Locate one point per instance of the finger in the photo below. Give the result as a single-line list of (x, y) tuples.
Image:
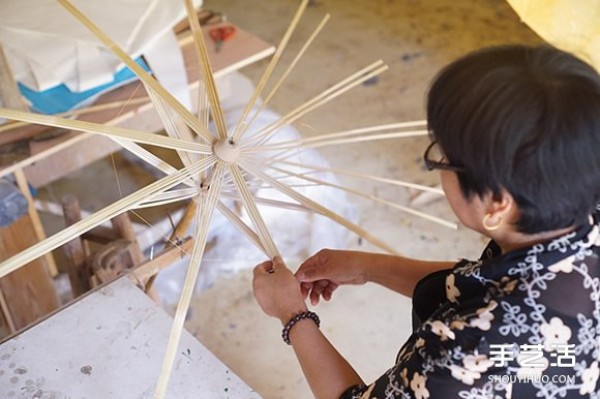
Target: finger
[(305, 289), (278, 263), (328, 291), (312, 269), (317, 291)]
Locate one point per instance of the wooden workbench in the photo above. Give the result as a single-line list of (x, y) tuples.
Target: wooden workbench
[(110, 344)]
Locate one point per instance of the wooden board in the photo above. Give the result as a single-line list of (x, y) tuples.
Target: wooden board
[(109, 345), (29, 291)]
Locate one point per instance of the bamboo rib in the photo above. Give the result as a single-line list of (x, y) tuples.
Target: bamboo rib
[(168, 197), (174, 126), (257, 220), (239, 127), (151, 159), (373, 198), (318, 208), (186, 115), (99, 217), (243, 227), (355, 132), (207, 202), (367, 177), (108, 131), (270, 202), (83, 111), (290, 145), (350, 82), (287, 72), (204, 61)]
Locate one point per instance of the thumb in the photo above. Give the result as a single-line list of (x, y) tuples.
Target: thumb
[(278, 263), (311, 270)]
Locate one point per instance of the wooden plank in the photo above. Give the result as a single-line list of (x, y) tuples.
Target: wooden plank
[(29, 291)]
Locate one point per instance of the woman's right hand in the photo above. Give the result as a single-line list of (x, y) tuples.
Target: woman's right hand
[(322, 273)]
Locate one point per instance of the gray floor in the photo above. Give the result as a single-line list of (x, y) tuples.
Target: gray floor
[(415, 38)]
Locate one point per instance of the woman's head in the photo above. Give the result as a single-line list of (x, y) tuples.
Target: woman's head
[(526, 121)]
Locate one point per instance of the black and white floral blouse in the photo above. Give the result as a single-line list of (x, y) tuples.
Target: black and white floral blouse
[(525, 324)]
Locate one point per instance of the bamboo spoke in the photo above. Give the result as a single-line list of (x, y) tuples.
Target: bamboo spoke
[(373, 198), (207, 76), (99, 217), (240, 126), (83, 111), (187, 116), (270, 202), (243, 227), (108, 131), (323, 142), (207, 201), (317, 207), (286, 73), (257, 220), (169, 197), (174, 126), (334, 91), (365, 176)]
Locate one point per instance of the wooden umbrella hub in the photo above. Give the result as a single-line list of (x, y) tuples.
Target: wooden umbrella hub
[(227, 150)]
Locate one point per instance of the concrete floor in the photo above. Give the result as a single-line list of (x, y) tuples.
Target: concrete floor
[(368, 324)]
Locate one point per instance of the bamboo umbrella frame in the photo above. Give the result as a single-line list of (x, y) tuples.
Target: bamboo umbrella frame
[(228, 163)]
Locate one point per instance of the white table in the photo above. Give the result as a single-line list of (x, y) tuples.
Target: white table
[(110, 344)]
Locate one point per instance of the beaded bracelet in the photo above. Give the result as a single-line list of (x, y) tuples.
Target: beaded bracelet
[(285, 334)]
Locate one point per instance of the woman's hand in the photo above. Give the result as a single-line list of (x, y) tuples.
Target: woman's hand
[(277, 290), (323, 272)]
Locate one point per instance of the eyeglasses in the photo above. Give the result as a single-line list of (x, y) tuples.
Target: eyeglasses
[(435, 159)]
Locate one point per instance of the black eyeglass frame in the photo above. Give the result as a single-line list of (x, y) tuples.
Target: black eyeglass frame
[(432, 165)]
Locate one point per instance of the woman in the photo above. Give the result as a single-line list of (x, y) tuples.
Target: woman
[(516, 137)]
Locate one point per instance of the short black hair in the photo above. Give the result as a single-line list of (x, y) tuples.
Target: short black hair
[(524, 119)]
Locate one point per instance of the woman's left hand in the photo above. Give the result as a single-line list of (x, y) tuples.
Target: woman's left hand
[(277, 290)]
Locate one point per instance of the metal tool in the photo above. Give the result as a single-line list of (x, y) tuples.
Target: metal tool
[(221, 34)]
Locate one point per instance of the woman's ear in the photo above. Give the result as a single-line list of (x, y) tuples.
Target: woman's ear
[(500, 209)]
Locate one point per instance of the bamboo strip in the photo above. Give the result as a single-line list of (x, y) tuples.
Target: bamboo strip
[(315, 143), (187, 116), (83, 111), (320, 99), (108, 131), (151, 159), (287, 72), (38, 227), (174, 126), (243, 227), (367, 177), (239, 127), (300, 113), (270, 202), (207, 202), (6, 313), (169, 197), (101, 216), (257, 220), (204, 62), (318, 208), (374, 198)]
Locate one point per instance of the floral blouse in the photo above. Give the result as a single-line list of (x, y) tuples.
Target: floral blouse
[(525, 324)]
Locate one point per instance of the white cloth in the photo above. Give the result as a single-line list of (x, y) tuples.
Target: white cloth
[(45, 45)]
